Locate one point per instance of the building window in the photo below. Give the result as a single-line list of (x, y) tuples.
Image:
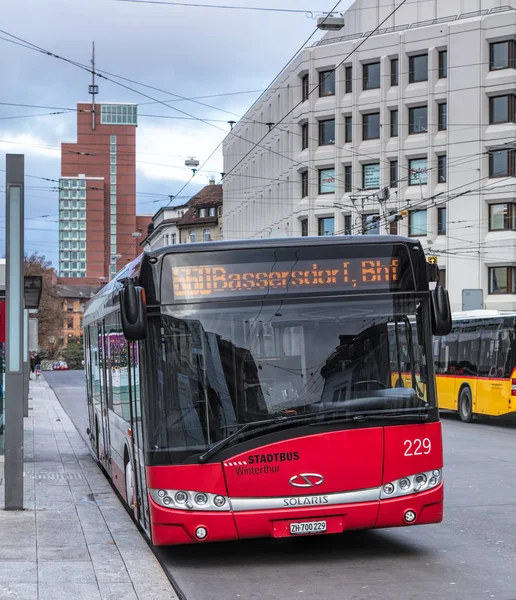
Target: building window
[(212, 211), (118, 114), (326, 226), (502, 217), (371, 224), (441, 168), (441, 221), (349, 79), (112, 170), (348, 130), (501, 163), (69, 323), (393, 174), (304, 87), (348, 178), (69, 306), (172, 238), (502, 280), (167, 239), (502, 55), (192, 236), (395, 63), (206, 235), (304, 136), (394, 123), (417, 223), (371, 126), (371, 176), (371, 76), (327, 83), (502, 109), (393, 227), (418, 171), (304, 184), (418, 68), (443, 64), (348, 227), (112, 139), (326, 181), (202, 212), (327, 132), (418, 119), (304, 227), (442, 124)]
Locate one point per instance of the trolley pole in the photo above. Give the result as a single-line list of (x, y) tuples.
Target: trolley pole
[(14, 371)]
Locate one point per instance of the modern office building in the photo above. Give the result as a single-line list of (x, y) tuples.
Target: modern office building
[(98, 227), (410, 130)]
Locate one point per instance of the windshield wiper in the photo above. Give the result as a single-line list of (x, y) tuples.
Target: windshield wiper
[(359, 417), (223, 443)]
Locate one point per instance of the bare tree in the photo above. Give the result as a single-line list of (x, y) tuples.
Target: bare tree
[(50, 313)]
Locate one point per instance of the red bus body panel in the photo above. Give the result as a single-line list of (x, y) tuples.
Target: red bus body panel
[(348, 461)]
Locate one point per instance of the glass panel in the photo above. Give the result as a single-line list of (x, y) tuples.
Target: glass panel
[(327, 226), (326, 181), (327, 132), (327, 83), (394, 123), (443, 116), (418, 171), (500, 109), (418, 66), (499, 216), (394, 71), (417, 223), (371, 126), (498, 163), (418, 119), (500, 55), (371, 176), (372, 76), (210, 370), (371, 224), (499, 280)]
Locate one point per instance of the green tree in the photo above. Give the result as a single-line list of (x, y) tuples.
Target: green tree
[(50, 312), (73, 354)]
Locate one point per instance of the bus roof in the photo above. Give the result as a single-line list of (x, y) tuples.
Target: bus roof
[(288, 242)]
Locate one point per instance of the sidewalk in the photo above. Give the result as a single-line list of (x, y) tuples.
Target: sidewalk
[(74, 540)]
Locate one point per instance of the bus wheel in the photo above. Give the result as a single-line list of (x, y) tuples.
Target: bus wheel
[(465, 405), (129, 483)]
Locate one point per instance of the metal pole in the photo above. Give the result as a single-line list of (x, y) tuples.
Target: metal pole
[(13, 466), (26, 368)]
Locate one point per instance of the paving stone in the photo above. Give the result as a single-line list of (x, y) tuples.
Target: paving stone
[(116, 591), (69, 591), (18, 591), (73, 551), (17, 571), (66, 571)]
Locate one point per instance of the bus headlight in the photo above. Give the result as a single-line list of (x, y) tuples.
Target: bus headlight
[(412, 484), (189, 500)]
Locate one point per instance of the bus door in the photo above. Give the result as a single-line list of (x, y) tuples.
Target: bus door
[(105, 390), (140, 480), (495, 368), (446, 366), (88, 373), (467, 360)]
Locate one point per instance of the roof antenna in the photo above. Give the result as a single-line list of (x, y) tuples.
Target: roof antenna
[(93, 89)]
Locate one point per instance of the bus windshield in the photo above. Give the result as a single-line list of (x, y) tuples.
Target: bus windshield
[(218, 367)]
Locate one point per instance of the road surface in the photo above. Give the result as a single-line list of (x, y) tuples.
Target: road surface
[(470, 556)]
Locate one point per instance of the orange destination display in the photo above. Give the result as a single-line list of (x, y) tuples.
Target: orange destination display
[(234, 280)]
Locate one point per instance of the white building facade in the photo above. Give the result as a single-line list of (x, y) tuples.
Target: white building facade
[(164, 231), (411, 131)]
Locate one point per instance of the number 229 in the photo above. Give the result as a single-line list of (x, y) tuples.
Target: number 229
[(417, 447)]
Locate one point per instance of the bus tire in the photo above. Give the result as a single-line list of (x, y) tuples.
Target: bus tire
[(465, 405), (129, 493)]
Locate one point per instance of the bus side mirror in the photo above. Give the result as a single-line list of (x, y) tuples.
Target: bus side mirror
[(441, 311), (133, 312)]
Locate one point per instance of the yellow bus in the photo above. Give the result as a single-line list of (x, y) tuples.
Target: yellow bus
[(476, 365)]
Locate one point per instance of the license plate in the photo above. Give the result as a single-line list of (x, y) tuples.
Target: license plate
[(308, 527)]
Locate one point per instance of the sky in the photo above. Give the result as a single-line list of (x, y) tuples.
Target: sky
[(185, 51)]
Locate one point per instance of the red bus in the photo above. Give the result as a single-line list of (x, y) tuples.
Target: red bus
[(270, 388)]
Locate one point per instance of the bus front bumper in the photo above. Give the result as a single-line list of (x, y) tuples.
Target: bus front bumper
[(174, 527)]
